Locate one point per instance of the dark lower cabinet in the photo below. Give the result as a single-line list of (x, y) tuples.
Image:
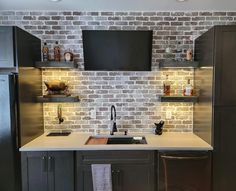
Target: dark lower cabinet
[(131, 170), (184, 171), (34, 171), (48, 171), (224, 154), (138, 177)]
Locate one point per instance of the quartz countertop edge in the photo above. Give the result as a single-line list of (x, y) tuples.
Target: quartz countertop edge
[(76, 141)]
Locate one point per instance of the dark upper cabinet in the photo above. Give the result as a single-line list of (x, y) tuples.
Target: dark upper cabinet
[(131, 170), (216, 49), (225, 67), (48, 171), (184, 171), (7, 59), (18, 48)]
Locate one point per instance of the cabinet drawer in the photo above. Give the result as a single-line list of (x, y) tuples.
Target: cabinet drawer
[(112, 157)]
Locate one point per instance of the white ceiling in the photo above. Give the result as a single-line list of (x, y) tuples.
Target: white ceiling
[(119, 5)]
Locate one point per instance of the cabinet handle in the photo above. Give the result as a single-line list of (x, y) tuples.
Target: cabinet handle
[(184, 158), (44, 164), (119, 180), (50, 164)]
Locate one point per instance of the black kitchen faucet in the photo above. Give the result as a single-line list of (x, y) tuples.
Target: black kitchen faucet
[(113, 119)]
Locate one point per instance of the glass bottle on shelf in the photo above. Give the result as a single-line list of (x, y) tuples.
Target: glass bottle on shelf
[(178, 51), (188, 90), (57, 52), (45, 52), (168, 48), (166, 86)]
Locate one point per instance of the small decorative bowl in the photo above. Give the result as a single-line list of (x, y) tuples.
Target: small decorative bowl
[(56, 87)]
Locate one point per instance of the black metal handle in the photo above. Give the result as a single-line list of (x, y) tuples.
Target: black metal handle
[(184, 158), (116, 176), (113, 178), (118, 172), (50, 164), (44, 163)]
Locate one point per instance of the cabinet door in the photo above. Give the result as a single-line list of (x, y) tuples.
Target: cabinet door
[(224, 154), (225, 91), (138, 177), (124, 177), (131, 170), (61, 171), (6, 47), (84, 178), (34, 171), (184, 171)]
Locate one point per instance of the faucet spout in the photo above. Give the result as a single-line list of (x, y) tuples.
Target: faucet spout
[(59, 114), (113, 119)]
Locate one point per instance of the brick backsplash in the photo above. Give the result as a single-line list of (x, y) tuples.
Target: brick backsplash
[(135, 94)]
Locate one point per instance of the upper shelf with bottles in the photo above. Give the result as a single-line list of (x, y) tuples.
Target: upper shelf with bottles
[(170, 63), (188, 94), (183, 55), (56, 62)]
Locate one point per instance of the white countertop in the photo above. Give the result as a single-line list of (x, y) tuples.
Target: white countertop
[(76, 141)]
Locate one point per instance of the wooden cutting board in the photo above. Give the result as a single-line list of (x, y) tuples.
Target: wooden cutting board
[(97, 141)]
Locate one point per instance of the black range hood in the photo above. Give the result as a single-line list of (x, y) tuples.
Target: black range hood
[(109, 50)]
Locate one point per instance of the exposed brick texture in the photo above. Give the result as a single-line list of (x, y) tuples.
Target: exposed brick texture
[(135, 94)]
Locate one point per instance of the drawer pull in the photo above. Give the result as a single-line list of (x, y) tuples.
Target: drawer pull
[(184, 158)]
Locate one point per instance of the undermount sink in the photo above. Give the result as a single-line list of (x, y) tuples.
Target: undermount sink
[(96, 140), (128, 140)]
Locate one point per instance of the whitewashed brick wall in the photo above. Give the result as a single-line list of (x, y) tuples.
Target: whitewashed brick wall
[(135, 94)]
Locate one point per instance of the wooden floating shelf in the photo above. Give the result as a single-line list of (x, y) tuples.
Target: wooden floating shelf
[(54, 64), (68, 99), (193, 99), (170, 63)]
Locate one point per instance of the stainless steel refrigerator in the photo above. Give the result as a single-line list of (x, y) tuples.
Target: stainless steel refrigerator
[(21, 117), (215, 113)]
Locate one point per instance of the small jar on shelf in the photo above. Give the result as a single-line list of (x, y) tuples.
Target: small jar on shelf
[(189, 55), (68, 56)]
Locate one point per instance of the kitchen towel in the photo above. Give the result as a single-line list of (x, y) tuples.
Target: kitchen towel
[(101, 174)]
